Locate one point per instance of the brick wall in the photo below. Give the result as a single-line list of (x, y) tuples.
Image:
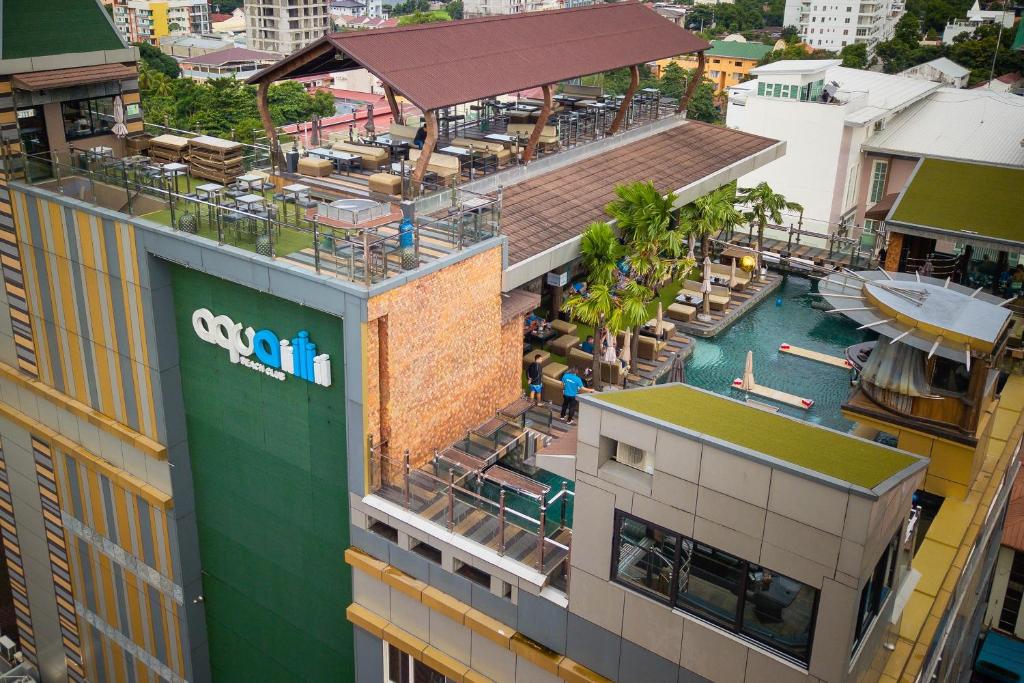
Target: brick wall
[(439, 361)]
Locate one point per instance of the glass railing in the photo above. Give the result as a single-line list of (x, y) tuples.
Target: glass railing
[(264, 219)]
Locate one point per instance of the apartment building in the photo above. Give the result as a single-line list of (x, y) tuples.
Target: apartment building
[(283, 26), (728, 62), (834, 26), (146, 21), (486, 8)]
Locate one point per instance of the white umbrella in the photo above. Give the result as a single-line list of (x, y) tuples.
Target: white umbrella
[(626, 339), (609, 351), (748, 373), (732, 274), (690, 254), (658, 320), (119, 129), (705, 286)]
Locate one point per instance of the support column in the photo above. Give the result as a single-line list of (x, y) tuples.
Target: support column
[(538, 128), (620, 116), (698, 75), (396, 111), (429, 118), (268, 123)]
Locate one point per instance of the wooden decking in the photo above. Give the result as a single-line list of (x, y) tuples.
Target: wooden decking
[(740, 303), (650, 371)]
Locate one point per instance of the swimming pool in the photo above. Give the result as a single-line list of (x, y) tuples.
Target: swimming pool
[(786, 316)]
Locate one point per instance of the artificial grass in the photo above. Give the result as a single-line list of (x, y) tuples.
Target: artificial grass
[(35, 29), (287, 242), (952, 195), (800, 443)]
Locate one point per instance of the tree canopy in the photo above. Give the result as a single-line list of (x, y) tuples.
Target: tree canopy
[(423, 18), (671, 84), (154, 59)]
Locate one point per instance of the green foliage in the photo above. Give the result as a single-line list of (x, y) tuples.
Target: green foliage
[(423, 18), (791, 35), (855, 56), (154, 59), (225, 6), (223, 107), (702, 104), (409, 7), (741, 16), (795, 51), (935, 14), (673, 80), (710, 214), (454, 8), (972, 51), (763, 204)]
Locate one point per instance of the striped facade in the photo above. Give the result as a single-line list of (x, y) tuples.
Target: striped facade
[(15, 566), (57, 547), (84, 288)]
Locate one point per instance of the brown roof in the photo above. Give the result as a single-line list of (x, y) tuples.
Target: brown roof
[(446, 63), (880, 211), (79, 75), (1013, 527), (231, 54), (545, 211), (518, 302)]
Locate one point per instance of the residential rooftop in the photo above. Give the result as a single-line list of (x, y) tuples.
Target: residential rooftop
[(963, 197), (56, 27), (810, 447), (737, 49)]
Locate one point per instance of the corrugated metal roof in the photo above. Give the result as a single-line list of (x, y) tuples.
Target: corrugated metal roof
[(973, 125), (948, 67), (231, 54), (446, 63), (82, 75)]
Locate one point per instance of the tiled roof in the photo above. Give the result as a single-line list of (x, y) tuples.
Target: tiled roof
[(82, 75), (446, 63), (1013, 531), (55, 27), (545, 211), (231, 54)]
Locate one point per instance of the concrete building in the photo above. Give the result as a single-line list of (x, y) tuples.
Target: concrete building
[(284, 26), (829, 25), (233, 24), (182, 47), (941, 70), (977, 17), (1004, 608), (486, 8), (232, 62), (822, 169), (146, 21), (728, 62), (1007, 83)]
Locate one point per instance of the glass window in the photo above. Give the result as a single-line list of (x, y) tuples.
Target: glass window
[(879, 169), (779, 612), (84, 118), (710, 583), (877, 589), (645, 557)]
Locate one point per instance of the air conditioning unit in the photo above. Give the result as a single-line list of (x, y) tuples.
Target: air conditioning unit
[(634, 457)]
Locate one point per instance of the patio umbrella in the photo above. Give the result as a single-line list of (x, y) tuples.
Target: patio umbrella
[(691, 240), (119, 129), (732, 274), (314, 138), (658, 319), (748, 373), (705, 286), (626, 339)]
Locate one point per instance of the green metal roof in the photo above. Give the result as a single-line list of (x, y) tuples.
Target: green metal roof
[(52, 27), (956, 196), (734, 48), (1018, 39), (803, 444)]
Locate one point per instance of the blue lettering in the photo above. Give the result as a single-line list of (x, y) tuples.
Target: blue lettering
[(268, 348)]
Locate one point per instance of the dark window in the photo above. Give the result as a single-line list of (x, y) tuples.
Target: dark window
[(738, 63), (386, 530), (470, 572), (427, 551), (951, 376), (759, 604), (1014, 595), (84, 118), (877, 589)]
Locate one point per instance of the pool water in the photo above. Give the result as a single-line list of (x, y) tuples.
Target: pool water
[(785, 316)]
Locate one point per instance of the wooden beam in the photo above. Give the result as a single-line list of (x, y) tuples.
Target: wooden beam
[(538, 128), (396, 111), (430, 118), (620, 116), (698, 75), (268, 122)]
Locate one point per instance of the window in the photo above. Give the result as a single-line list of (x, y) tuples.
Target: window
[(402, 668), (1014, 592), (84, 118), (877, 589), (737, 63), (754, 602), (879, 169)]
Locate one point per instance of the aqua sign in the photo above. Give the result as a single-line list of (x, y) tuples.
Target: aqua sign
[(262, 350)]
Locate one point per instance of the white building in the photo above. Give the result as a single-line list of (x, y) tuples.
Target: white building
[(146, 21), (834, 24), (975, 18), (821, 168), (486, 8), (284, 26), (941, 70)]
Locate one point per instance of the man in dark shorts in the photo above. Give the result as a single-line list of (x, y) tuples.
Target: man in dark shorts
[(534, 372)]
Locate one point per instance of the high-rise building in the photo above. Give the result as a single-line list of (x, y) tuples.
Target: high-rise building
[(146, 21), (283, 26), (832, 27)]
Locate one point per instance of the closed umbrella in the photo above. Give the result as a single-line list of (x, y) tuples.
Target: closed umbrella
[(748, 373), (314, 138), (690, 255), (732, 274), (658, 319), (705, 286), (625, 357), (119, 129)]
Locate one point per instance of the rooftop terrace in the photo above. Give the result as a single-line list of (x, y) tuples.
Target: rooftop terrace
[(775, 436), (56, 27)]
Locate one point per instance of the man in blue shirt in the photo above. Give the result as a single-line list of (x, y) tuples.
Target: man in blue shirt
[(588, 345), (572, 385)]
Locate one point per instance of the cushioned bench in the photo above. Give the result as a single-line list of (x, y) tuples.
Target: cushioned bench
[(548, 134), (718, 299), (554, 369), (562, 345), (372, 157), (563, 327), (551, 390), (545, 358), (611, 373), (315, 168), (444, 166), (647, 348), (681, 312), (402, 133), (723, 270), (385, 183), (499, 150)]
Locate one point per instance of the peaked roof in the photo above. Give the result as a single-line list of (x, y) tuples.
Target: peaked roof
[(446, 63), (56, 27), (948, 67)]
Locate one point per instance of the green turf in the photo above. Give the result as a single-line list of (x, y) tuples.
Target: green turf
[(800, 443), (953, 195), (35, 29), (287, 242)]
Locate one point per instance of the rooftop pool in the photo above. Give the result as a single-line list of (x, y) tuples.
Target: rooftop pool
[(786, 316)]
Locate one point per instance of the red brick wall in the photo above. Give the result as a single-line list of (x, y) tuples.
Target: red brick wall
[(438, 359)]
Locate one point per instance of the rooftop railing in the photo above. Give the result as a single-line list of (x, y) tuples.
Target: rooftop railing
[(367, 249)]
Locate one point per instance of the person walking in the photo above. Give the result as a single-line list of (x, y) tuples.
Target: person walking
[(534, 374), (572, 385)]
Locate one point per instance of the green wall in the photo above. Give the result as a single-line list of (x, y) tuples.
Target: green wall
[(268, 466)]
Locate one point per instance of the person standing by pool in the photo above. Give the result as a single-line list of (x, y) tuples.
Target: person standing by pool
[(534, 373), (572, 385)]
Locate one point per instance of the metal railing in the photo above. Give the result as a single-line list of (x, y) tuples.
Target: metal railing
[(282, 230)]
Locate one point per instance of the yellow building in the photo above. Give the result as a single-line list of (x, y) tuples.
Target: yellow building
[(728, 62)]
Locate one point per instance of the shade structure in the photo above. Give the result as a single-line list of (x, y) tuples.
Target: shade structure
[(626, 356), (748, 373)]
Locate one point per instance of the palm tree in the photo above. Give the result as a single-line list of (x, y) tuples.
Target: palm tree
[(710, 214), (763, 203)]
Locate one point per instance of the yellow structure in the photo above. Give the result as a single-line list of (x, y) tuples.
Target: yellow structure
[(728, 62)]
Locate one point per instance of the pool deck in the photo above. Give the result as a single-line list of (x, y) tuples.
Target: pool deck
[(740, 304), (649, 371)]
